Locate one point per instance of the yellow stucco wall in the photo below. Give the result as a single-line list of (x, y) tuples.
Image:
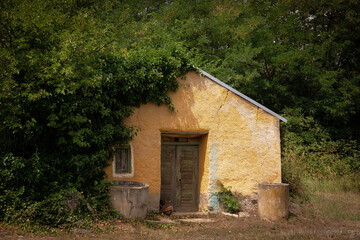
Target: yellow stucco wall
[(242, 147)]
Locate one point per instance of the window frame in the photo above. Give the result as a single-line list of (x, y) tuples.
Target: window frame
[(130, 161)]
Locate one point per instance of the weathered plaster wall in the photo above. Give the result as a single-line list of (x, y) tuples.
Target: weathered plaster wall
[(242, 147)]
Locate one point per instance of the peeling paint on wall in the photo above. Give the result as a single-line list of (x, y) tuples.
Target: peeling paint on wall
[(213, 178)]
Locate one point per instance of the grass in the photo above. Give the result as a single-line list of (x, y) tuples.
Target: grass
[(330, 210), (338, 205), (334, 184), (338, 198), (341, 224)]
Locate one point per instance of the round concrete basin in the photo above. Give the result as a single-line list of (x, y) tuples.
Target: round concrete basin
[(273, 201), (129, 198)]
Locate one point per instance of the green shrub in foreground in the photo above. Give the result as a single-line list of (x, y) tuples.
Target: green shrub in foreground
[(228, 199), (65, 209)]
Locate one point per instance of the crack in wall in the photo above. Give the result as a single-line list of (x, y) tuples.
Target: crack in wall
[(223, 102)]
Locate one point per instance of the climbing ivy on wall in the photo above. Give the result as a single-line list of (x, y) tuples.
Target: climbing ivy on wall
[(70, 73)]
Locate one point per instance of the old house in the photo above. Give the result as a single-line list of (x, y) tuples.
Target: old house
[(215, 133)]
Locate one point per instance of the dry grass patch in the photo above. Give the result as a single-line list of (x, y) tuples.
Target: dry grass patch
[(338, 198), (302, 227), (343, 205), (332, 212)]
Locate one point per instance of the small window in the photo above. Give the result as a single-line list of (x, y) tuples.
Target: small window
[(122, 160)]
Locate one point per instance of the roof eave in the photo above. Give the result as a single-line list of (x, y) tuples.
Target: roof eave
[(241, 95)]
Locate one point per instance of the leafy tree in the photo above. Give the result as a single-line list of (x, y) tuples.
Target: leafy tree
[(300, 58), (69, 76), (284, 54)]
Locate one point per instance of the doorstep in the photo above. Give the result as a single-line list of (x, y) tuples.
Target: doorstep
[(190, 214)]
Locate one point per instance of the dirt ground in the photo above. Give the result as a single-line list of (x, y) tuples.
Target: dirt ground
[(304, 226)]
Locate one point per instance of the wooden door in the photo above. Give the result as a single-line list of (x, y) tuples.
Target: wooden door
[(167, 194), (179, 177)]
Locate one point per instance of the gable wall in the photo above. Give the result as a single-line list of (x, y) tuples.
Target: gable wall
[(242, 147)]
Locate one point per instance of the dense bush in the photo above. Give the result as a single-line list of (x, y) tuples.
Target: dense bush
[(309, 151), (68, 79), (305, 138)]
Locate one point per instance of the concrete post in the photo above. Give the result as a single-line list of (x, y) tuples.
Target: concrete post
[(273, 201)]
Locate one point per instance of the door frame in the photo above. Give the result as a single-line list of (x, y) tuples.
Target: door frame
[(197, 180)]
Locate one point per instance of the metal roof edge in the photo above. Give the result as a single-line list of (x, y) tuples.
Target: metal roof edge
[(241, 95)]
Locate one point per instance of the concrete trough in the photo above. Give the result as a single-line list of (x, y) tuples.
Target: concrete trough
[(273, 201), (130, 198)]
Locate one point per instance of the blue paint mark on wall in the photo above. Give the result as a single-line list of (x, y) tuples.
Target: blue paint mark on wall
[(213, 175)]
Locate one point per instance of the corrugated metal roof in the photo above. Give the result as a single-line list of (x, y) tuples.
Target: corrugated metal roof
[(242, 95)]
